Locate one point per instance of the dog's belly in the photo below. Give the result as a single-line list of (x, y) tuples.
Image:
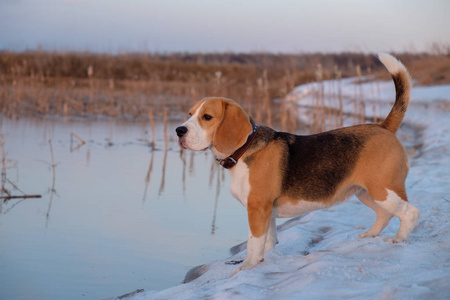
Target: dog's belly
[(294, 209)]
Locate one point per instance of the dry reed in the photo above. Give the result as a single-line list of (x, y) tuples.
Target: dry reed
[(3, 159), (80, 140), (152, 125), (160, 87), (166, 139)]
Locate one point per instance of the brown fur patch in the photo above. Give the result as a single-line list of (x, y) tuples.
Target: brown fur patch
[(382, 165)]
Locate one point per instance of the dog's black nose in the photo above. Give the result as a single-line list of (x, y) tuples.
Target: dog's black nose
[(181, 130)]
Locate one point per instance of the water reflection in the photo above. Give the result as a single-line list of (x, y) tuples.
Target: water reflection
[(149, 172), (183, 172), (52, 193), (115, 215), (73, 138), (215, 171), (163, 173)]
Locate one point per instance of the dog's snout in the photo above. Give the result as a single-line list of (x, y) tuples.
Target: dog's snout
[(181, 130)]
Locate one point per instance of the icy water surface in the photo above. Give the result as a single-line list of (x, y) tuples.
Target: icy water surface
[(119, 217)]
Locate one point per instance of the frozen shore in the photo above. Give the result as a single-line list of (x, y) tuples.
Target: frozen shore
[(320, 255)]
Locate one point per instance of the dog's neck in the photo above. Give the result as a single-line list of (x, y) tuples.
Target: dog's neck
[(230, 161)]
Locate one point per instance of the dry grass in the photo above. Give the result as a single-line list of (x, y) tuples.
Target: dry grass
[(433, 70), (425, 69), (144, 86)]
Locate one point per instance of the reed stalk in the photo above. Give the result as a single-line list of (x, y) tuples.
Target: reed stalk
[(2, 149), (152, 125), (53, 165), (166, 142)]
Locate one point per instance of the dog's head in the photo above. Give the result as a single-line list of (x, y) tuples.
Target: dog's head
[(218, 124)]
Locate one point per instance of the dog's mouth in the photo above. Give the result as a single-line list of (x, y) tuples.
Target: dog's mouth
[(183, 145)]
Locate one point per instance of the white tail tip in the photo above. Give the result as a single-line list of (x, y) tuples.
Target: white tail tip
[(393, 65)]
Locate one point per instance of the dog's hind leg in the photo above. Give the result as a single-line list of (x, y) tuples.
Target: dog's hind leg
[(400, 207), (383, 217), (271, 239)]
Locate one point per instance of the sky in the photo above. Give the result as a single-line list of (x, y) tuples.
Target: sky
[(283, 26)]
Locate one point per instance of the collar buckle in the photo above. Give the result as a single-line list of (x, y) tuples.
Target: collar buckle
[(228, 162)]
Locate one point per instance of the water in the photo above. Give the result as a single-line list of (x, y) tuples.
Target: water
[(119, 217), (106, 228)]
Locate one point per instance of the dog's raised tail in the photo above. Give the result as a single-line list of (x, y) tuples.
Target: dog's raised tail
[(402, 83)]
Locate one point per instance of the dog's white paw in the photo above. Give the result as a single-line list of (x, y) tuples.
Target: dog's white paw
[(396, 240), (248, 265), (367, 234)]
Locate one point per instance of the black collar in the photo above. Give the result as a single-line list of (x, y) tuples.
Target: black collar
[(232, 160)]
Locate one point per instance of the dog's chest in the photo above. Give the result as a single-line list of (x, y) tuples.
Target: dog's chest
[(240, 185)]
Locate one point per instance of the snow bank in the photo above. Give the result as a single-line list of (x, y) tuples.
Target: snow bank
[(320, 256)]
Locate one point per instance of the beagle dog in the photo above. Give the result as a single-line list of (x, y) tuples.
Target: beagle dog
[(279, 175)]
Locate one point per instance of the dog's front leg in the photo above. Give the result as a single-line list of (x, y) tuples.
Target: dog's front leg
[(259, 221)]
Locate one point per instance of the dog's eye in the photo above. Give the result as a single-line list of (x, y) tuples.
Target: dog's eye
[(206, 117)]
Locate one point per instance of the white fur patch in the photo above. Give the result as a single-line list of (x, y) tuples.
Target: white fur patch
[(255, 252), (393, 65), (255, 248), (240, 185)]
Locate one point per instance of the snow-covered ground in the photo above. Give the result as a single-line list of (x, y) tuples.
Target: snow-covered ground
[(320, 255)]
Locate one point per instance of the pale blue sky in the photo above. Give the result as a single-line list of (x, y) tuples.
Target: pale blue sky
[(231, 25)]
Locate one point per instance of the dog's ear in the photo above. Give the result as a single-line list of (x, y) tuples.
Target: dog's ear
[(233, 130)]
